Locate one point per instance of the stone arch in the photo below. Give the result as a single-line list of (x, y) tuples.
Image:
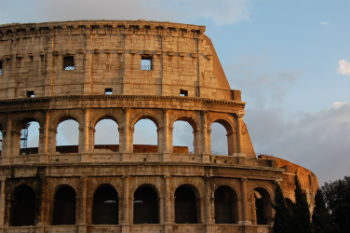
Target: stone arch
[(226, 205), (227, 137), (29, 136), (64, 207), (71, 145), (107, 127), (263, 206), (146, 147), (187, 204), (23, 206), (105, 207), (186, 130), (1, 139), (146, 204)]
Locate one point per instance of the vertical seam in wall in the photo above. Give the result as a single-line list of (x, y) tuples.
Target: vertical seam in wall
[(161, 64), (52, 66), (198, 73)]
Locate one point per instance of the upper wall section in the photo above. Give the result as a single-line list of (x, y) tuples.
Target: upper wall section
[(110, 57)]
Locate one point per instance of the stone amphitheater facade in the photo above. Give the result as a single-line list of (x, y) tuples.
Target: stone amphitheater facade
[(127, 71)]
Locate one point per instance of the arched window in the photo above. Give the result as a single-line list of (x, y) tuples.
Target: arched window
[(29, 141), (146, 206), (107, 135), (23, 206), (182, 137), (263, 208), (105, 205), (145, 136), (226, 210), (64, 206), (186, 205), (219, 139), (67, 137)]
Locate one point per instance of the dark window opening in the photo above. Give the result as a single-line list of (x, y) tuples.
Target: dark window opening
[(23, 206), (0, 67), (30, 94), (263, 208), (186, 205), (183, 92), (146, 63), (108, 91), (105, 205), (64, 207), (146, 207), (225, 205), (68, 63)]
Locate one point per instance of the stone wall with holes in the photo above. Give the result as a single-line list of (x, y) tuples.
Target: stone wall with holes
[(108, 55)]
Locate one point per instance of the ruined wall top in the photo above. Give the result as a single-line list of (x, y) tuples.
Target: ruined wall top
[(110, 57)]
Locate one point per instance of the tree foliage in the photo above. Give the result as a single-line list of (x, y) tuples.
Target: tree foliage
[(321, 218), (282, 219), (301, 212), (337, 198)]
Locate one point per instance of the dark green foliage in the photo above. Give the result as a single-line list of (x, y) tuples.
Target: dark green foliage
[(301, 210), (321, 219), (282, 219), (337, 197)]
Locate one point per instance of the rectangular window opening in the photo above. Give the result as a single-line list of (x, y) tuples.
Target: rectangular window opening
[(30, 94), (146, 63), (68, 63), (0, 67), (183, 92), (108, 91)]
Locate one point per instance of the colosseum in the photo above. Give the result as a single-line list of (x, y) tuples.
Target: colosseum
[(126, 71)]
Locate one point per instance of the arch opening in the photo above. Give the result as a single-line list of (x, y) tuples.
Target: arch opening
[(225, 201), (64, 206), (263, 207), (145, 138), (219, 139), (106, 135), (23, 206), (67, 137), (146, 205), (183, 137), (187, 205), (105, 205), (29, 140)]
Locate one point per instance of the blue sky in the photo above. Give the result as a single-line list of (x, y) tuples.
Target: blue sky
[(284, 55)]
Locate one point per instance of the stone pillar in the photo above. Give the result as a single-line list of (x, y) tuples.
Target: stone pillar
[(167, 133), (205, 133), (83, 205), (126, 206), (44, 136), (126, 133), (209, 207), (239, 119), (84, 145), (6, 141), (244, 203), (44, 203), (2, 202), (168, 206)]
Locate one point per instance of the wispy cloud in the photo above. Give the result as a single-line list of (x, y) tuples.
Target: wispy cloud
[(324, 22), (219, 12), (343, 67)]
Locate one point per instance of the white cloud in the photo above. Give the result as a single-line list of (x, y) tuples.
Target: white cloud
[(343, 67), (318, 141), (324, 22), (219, 12)]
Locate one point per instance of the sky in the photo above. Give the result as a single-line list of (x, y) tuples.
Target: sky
[(290, 58)]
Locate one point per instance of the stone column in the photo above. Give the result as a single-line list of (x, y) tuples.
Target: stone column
[(83, 205), (209, 207), (6, 141), (126, 133), (239, 119), (2, 202), (126, 206), (168, 220), (44, 138), (205, 133), (244, 203), (167, 133), (84, 145)]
